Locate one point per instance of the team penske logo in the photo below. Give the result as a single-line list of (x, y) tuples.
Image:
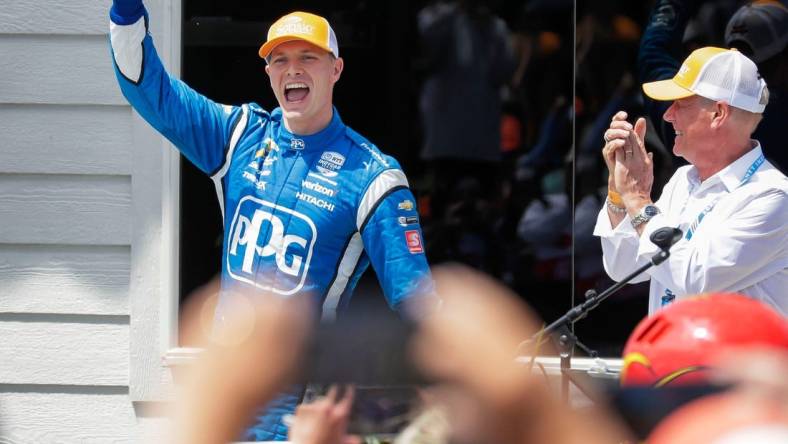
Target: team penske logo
[(330, 162), (261, 253)]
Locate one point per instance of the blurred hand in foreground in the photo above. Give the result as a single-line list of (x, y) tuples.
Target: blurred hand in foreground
[(325, 420), (470, 346), (247, 359)]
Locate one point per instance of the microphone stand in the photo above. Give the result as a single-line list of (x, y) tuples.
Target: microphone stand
[(566, 340)]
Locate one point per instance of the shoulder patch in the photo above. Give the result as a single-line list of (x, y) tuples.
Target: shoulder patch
[(373, 151), (257, 109)]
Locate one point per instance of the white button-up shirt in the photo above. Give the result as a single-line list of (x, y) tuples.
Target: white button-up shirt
[(740, 246)]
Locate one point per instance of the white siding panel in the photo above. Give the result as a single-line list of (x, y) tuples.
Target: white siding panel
[(57, 69), (68, 353), (53, 209), (68, 418), (54, 17), (64, 279), (65, 139), (153, 429)]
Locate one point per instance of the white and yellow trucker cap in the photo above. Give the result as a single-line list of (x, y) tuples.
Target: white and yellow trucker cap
[(716, 74), (301, 26)]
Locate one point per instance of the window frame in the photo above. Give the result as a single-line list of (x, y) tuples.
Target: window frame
[(154, 280)]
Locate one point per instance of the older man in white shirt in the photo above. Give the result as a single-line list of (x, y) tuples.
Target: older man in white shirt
[(731, 203)]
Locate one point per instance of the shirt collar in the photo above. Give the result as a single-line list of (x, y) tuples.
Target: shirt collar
[(288, 140), (731, 175)]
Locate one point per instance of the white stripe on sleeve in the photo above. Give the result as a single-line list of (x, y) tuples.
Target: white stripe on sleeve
[(346, 267), (217, 178), (127, 47), (377, 189)]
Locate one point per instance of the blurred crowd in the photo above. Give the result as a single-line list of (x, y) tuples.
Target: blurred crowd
[(690, 374), (496, 113)]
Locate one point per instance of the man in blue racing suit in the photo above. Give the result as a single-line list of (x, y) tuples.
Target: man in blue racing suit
[(307, 202)]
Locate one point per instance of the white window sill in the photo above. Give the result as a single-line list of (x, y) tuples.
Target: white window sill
[(181, 356)]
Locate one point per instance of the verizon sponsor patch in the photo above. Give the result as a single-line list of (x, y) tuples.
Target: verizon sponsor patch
[(316, 187)]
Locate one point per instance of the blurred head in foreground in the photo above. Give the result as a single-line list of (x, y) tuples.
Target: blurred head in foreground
[(728, 418), (683, 342)]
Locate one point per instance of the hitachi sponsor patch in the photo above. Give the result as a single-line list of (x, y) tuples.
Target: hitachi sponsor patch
[(320, 203)]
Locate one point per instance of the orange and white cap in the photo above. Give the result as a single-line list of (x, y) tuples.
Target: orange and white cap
[(301, 26), (716, 74)]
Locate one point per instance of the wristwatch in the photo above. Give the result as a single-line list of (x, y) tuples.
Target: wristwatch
[(645, 215)]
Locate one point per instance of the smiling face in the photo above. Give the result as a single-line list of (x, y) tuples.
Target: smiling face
[(691, 118), (302, 77)]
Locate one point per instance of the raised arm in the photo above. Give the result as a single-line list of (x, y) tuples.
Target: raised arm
[(200, 128)]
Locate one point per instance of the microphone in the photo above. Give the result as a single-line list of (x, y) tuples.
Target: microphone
[(665, 237)]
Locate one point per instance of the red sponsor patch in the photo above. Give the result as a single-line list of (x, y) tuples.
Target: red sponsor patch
[(413, 240)]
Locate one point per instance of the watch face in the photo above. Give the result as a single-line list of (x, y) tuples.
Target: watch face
[(650, 210)]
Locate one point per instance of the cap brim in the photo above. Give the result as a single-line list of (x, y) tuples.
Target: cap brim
[(269, 46), (666, 90)]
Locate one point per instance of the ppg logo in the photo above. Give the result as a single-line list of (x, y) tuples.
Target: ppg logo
[(297, 144), (260, 252)]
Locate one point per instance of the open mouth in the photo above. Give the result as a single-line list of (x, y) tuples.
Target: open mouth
[(296, 92)]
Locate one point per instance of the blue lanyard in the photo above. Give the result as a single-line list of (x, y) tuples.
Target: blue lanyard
[(747, 176)]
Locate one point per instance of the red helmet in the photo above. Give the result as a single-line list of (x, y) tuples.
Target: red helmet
[(732, 418), (678, 344)]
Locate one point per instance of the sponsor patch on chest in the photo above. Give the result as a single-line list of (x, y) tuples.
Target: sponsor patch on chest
[(318, 188), (316, 201), (270, 246), (330, 163)]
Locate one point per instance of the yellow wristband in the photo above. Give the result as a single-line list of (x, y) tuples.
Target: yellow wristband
[(615, 198)]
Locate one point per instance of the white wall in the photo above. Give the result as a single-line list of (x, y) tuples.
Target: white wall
[(84, 234)]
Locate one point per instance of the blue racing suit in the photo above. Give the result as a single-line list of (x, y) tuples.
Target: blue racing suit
[(302, 213)]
